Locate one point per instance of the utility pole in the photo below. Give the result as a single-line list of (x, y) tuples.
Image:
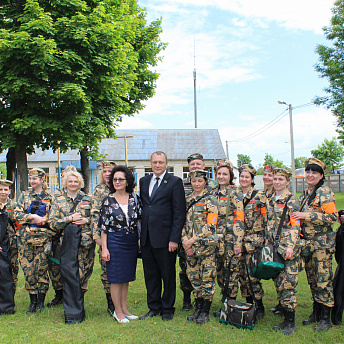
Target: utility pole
[(227, 150), (125, 147), (194, 77)]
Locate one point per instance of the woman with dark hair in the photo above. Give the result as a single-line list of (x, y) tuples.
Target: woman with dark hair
[(200, 240), (230, 224), (254, 202), (118, 221), (268, 179), (318, 214)]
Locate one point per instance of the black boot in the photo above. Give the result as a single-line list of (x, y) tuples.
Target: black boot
[(40, 303), (33, 304), (198, 310), (260, 312), (187, 305), (58, 299), (325, 321), (315, 316), (204, 316), (288, 325), (111, 306), (249, 299), (278, 310)]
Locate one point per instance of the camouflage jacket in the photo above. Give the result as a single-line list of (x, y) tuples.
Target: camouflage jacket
[(200, 224), (21, 212), (230, 206), (9, 209), (268, 193), (212, 184), (321, 215), (290, 234), (255, 220), (61, 209), (99, 193)]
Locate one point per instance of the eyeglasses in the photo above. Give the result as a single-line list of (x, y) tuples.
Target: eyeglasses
[(118, 180)]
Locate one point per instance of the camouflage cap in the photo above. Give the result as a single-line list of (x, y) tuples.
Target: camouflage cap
[(5, 182), (70, 168), (221, 163), (36, 172), (248, 168), (195, 156), (198, 174), (108, 164), (282, 172), (269, 168), (315, 161)]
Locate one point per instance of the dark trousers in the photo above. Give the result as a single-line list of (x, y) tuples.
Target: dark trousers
[(159, 266)]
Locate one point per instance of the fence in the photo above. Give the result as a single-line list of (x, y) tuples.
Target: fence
[(334, 181)]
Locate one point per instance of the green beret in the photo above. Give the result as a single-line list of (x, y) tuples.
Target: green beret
[(195, 156)]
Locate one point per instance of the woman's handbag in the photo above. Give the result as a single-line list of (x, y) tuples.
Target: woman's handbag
[(267, 263), (237, 313)]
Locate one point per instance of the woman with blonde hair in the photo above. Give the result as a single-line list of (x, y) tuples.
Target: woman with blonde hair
[(70, 218)]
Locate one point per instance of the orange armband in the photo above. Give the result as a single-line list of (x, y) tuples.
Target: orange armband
[(294, 222), (329, 208), (239, 215), (263, 211), (212, 218)]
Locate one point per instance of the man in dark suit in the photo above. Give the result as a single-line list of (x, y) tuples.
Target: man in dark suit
[(163, 218)]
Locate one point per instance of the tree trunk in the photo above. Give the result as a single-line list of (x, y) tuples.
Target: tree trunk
[(85, 171), (11, 167), (21, 158)]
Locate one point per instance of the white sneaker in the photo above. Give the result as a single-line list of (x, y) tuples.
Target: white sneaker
[(121, 321)]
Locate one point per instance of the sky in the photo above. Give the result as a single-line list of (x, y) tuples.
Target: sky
[(248, 55)]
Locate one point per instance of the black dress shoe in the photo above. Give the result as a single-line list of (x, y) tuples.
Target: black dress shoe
[(150, 314), (167, 316)]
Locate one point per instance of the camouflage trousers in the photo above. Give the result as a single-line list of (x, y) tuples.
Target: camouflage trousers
[(185, 284), (34, 263), (286, 283), (86, 262), (201, 272), (55, 275), (237, 273), (220, 267), (318, 267), (14, 262), (103, 275)]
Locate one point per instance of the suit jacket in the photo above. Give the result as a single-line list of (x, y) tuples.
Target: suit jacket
[(164, 214)]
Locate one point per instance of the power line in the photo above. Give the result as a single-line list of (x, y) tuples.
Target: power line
[(270, 124)]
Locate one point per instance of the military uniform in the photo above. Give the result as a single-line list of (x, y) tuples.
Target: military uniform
[(9, 208), (99, 193), (230, 208), (317, 231), (60, 211), (34, 243), (201, 267), (286, 281), (212, 184)]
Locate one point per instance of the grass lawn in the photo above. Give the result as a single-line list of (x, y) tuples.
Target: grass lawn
[(99, 327)]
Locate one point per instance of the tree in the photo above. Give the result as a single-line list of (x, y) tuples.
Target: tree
[(269, 160), (331, 153), (70, 70), (331, 66), (243, 159), (300, 162)]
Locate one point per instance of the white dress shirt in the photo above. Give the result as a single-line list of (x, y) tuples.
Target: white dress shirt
[(153, 181)]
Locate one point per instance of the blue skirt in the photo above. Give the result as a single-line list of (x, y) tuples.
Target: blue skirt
[(123, 248)]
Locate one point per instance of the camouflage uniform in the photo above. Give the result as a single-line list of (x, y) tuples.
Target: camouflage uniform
[(9, 207), (286, 281), (268, 193), (34, 244), (99, 193), (317, 231), (54, 268), (60, 210), (233, 234), (200, 225), (230, 199), (255, 218)]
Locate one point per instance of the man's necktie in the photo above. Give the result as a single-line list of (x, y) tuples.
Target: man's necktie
[(155, 186)]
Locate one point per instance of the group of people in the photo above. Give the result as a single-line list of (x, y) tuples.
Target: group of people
[(211, 225)]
